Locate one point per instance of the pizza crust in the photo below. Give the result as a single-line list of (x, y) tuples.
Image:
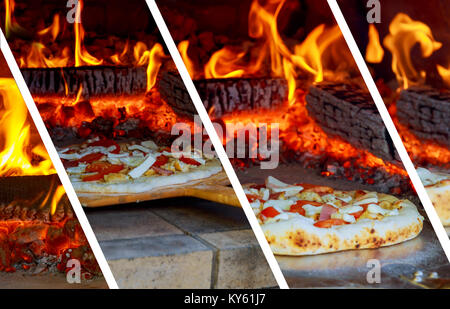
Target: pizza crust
[(144, 184), (437, 186), (298, 236), (440, 197)]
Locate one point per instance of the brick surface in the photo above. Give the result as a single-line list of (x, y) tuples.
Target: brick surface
[(240, 261), (176, 261), (198, 216), (113, 224)]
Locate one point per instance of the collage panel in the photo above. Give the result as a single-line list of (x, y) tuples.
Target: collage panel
[(308, 144), (154, 193), (407, 53), (42, 244), (230, 144)]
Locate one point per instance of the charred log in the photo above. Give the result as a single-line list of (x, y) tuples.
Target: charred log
[(24, 198), (348, 112), (426, 112), (96, 80), (222, 97)]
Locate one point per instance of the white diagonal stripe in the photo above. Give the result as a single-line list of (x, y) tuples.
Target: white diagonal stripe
[(176, 57), (409, 166)]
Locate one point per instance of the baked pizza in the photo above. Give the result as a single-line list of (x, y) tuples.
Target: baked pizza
[(103, 165), (437, 186), (305, 219)]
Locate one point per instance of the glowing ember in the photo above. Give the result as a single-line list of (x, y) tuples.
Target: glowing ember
[(404, 34)]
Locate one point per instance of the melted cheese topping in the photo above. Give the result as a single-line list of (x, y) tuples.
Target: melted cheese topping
[(348, 208)]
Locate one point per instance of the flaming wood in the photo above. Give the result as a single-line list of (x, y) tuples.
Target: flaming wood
[(426, 112), (224, 96), (21, 198), (96, 80), (349, 112)]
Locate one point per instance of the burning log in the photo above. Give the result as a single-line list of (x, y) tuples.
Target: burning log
[(20, 201), (348, 112), (426, 111), (224, 96), (95, 80)]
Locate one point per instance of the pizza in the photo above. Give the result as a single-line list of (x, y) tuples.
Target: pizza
[(305, 219), (437, 186), (102, 165)]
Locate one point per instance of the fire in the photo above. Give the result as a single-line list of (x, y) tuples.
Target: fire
[(317, 53), (374, 51), (40, 55), (155, 61), (18, 156), (444, 73), (422, 152), (82, 57), (37, 57), (53, 29), (223, 64), (183, 48), (322, 55), (57, 196), (153, 58), (117, 58), (11, 25), (404, 34)]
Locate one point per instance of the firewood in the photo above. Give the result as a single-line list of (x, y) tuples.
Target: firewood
[(22, 198), (349, 112), (223, 97), (96, 80), (426, 112)]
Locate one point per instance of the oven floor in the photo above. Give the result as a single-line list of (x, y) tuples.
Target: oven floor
[(180, 243)]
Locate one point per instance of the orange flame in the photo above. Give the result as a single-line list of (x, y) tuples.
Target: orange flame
[(444, 73), (223, 64), (153, 58), (374, 51), (155, 61), (37, 57), (404, 33), (309, 56), (117, 58), (53, 29), (82, 57), (183, 49), (57, 196), (17, 154), (11, 25)]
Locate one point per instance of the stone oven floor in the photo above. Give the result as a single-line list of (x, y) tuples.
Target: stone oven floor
[(180, 243)]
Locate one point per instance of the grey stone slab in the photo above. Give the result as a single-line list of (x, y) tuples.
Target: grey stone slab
[(120, 249), (175, 261), (111, 224), (240, 261), (183, 271), (199, 216)]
